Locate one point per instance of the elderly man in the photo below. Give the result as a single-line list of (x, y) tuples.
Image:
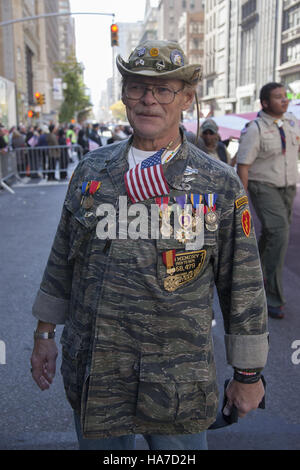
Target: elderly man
[(137, 304)]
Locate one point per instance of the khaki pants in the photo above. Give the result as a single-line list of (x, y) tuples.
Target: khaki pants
[(273, 207)]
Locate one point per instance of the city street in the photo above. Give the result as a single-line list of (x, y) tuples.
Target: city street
[(31, 419)]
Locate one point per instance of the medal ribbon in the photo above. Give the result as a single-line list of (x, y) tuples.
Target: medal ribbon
[(210, 200), (162, 202), (181, 200), (169, 258), (85, 186), (94, 186), (196, 200)]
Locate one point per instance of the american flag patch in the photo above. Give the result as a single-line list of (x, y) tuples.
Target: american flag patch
[(147, 179)]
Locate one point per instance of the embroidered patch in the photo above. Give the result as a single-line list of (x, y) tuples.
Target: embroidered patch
[(246, 222), (241, 202), (187, 266)]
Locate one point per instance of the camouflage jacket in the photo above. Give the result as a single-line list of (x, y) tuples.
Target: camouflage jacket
[(137, 353)]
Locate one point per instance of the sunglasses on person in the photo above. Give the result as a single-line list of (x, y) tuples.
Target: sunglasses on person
[(208, 132)]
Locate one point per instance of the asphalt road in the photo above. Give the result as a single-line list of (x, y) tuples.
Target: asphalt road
[(31, 419)]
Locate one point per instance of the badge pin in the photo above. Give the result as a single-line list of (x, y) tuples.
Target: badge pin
[(141, 51), (154, 52), (139, 62), (160, 65), (177, 58)]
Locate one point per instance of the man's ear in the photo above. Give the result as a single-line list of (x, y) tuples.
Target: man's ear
[(189, 95)]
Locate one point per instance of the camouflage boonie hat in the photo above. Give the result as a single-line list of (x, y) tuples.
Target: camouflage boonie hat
[(162, 59)]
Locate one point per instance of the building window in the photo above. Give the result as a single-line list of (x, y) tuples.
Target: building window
[(291, 18), (248, 8), (291, 51)]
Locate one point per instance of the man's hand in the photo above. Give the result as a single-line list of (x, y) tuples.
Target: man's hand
[(43, 362), (245, 397)]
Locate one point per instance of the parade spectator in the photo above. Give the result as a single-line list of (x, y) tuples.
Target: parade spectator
[(267, 165), (94, 137), (209, 141), (18, 144), (53, 154), (64, 156), (43, 153), (83, 139), (3, 141)]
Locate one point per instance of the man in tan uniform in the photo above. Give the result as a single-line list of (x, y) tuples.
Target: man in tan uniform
[(267, 165)]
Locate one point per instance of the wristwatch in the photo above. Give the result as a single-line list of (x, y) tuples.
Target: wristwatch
[(44, 335)]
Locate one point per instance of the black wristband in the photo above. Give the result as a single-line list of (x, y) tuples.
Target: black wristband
[(246, 377)]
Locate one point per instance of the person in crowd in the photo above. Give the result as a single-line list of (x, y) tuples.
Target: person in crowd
[(64, 155), (83, 139), (31, 141), (210, 142), (267, 165), (53, 154), (3, 140), (137, 346), (94, 135), (18, 144)]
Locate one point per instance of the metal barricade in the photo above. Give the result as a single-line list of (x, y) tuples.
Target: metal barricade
[(8, 169), (38, 162)]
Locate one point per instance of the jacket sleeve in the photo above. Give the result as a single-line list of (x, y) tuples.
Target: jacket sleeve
[(52, 301), (239, 282)]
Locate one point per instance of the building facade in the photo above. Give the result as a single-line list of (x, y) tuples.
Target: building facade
[(29, 51), (288, 47)]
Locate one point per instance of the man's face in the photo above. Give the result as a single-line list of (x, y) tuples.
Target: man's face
[(278, 102), (149, 118), (210, 138)]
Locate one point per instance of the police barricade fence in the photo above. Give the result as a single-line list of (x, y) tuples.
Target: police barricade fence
[(8, 169), (44, 161)]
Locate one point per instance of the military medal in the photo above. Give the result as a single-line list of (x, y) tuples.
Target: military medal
[(89, 187), (88, 202), (184, 220), (163, 203), (169, 260), (211, 218)]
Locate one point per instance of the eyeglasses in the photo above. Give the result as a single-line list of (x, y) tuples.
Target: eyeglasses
[(162, 94)]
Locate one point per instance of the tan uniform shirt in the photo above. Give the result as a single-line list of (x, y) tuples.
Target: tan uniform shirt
[(261, 147)]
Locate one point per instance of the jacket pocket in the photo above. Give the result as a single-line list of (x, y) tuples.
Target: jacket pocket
[(83, 223), (171, 388), (73, 367)]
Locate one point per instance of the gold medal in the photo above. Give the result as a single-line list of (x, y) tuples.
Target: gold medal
[(88, 202)]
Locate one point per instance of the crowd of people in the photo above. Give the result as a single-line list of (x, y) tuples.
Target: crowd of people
[(43, 162)]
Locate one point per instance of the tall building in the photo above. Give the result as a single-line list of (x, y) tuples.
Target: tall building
[(169, 12), (29, 51), (245, 41), (288, 46)]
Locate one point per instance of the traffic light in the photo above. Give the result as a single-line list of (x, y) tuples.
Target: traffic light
[(40, 99), (30, 113), (114, 35)]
